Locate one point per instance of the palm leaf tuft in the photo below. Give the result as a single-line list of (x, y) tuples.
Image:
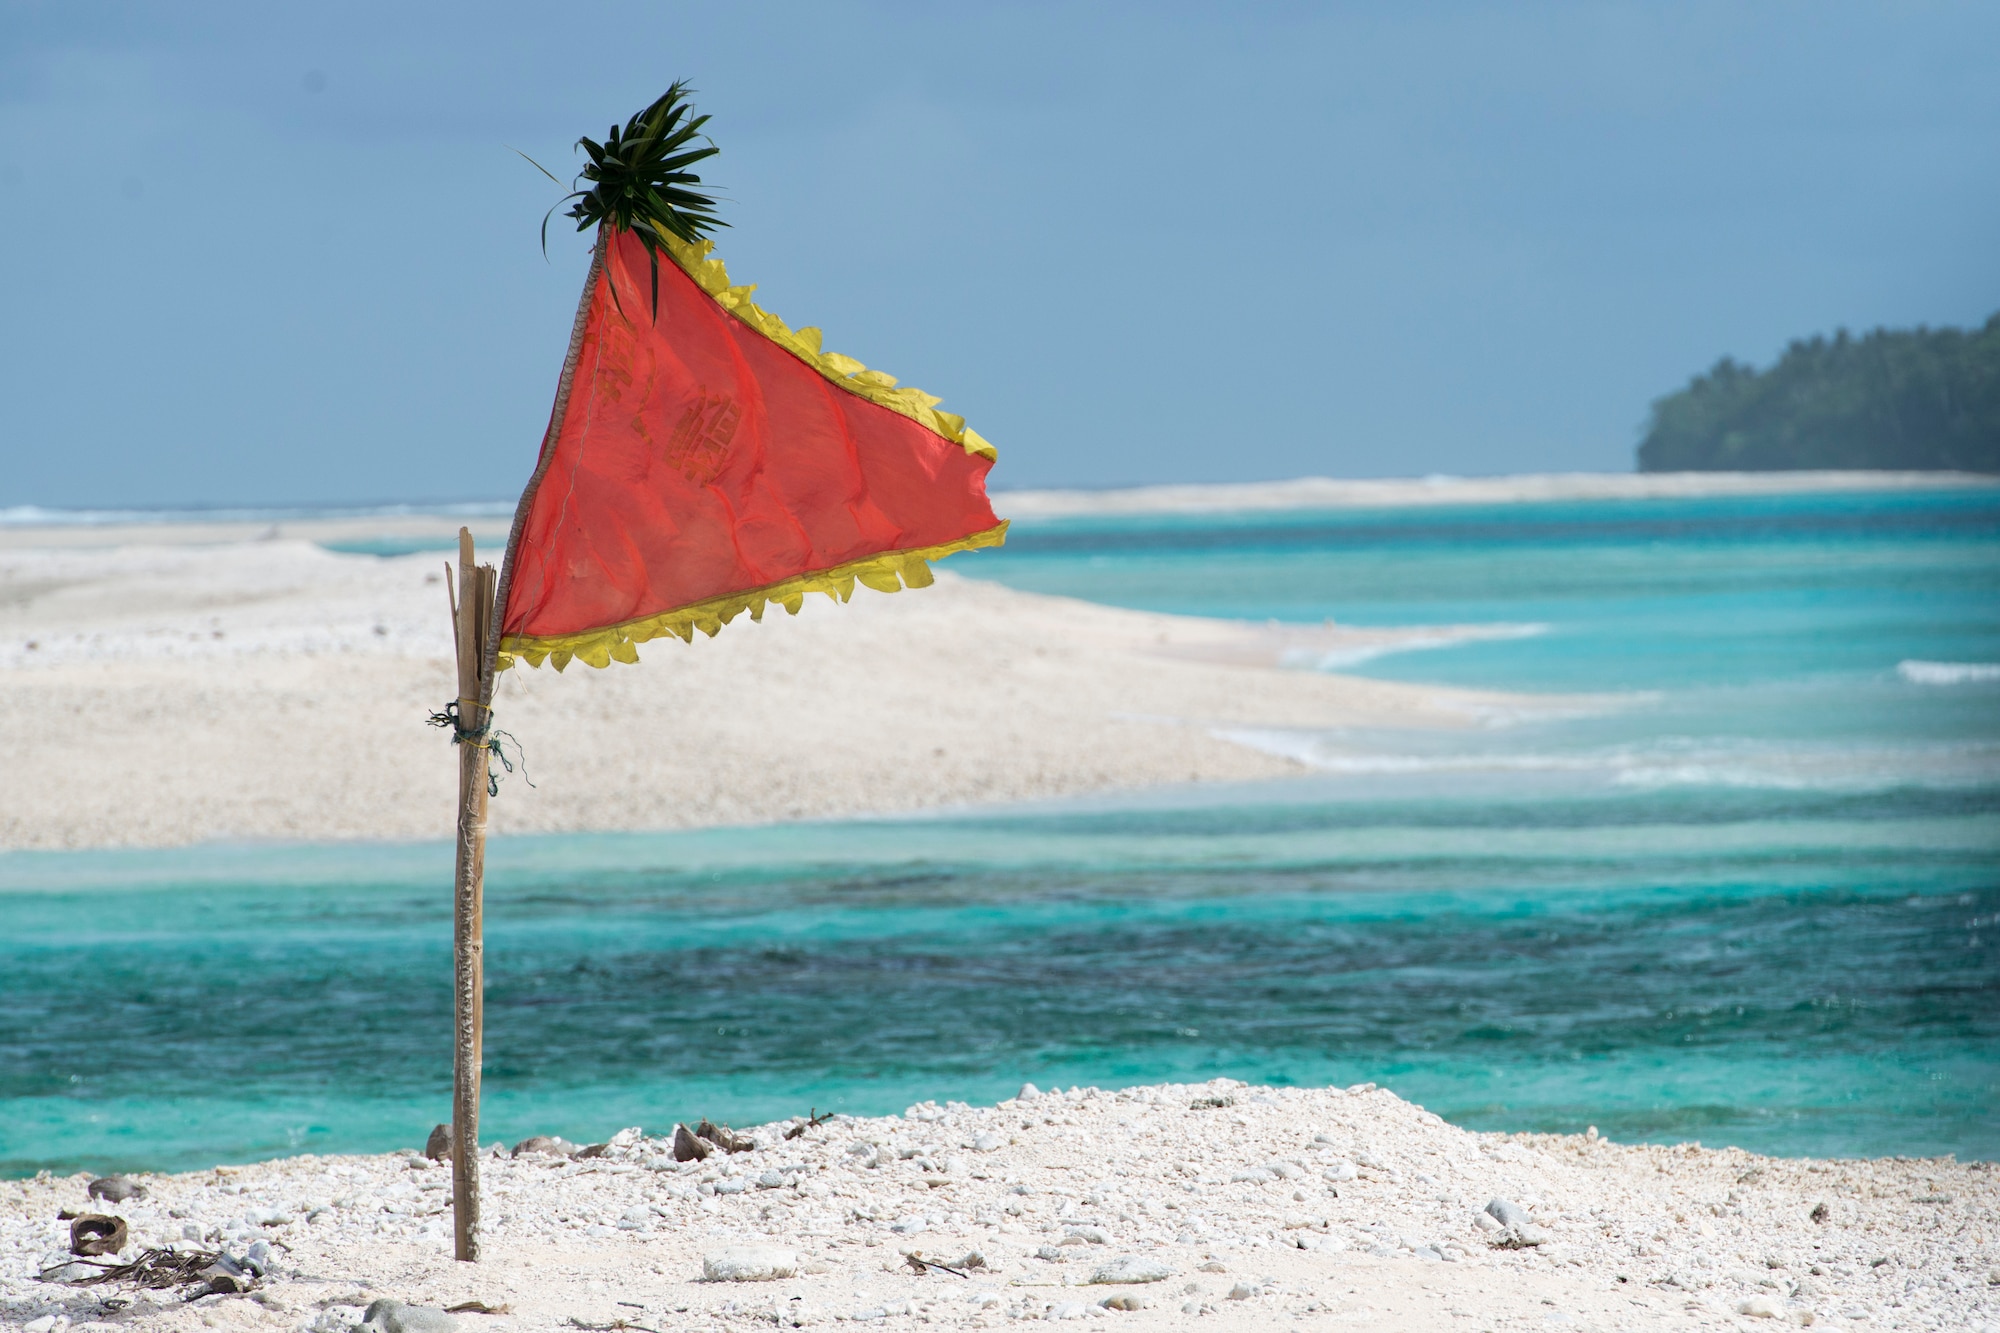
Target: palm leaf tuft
[(640, 180)]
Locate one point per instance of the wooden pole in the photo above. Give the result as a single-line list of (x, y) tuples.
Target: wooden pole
[(475, 614), (482, 601)]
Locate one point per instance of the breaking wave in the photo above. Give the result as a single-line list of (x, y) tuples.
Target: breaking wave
[(1947, 673), (1667, 762), (39, 516), (1342, 656)]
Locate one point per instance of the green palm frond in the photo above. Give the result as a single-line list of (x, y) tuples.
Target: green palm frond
[(640, 180)]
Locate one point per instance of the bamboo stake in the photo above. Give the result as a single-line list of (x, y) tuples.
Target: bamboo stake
[(477, 623), (475, 612)]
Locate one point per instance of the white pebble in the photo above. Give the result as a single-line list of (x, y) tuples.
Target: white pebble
[(1131, 1268), (750, 1263)]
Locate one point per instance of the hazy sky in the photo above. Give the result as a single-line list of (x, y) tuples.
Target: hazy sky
[(282, 253)]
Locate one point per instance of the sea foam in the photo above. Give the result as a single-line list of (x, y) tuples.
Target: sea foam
[(1650, 764), (1414, 639), (1397, 492), (1947, 673)]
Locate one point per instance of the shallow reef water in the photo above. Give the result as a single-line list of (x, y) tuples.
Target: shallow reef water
[(1749, 895)]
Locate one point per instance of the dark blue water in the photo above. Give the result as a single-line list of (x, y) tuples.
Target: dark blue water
[(1749, 894)]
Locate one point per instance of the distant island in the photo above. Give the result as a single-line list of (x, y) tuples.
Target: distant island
[(1917, 399)]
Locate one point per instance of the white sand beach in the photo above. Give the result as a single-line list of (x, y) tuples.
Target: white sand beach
[(167, 694), (1209, 1206)]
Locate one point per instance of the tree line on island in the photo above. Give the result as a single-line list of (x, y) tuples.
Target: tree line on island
[(1906, 398)]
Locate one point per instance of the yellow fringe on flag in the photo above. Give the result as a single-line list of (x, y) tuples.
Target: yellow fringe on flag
[(888, 572), (849, 374)]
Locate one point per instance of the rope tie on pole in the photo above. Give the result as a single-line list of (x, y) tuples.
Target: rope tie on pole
[(487, 737)]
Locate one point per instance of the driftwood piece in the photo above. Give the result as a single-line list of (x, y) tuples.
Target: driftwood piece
[(115, 1189), (198, 1273), (95, 1233), (920, 1265), (438, 1146), (688, 1148), (723, 1137), (547, 1145), (813, 1120)]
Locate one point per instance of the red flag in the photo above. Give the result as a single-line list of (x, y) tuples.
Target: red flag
[(710, 460)]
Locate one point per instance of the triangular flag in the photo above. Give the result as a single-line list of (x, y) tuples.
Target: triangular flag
[(710, 460)]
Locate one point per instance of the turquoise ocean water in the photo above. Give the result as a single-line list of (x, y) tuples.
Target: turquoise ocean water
[(1736, 879)]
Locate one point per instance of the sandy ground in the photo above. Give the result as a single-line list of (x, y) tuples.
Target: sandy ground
[(156, 695), (1212, 1206)]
